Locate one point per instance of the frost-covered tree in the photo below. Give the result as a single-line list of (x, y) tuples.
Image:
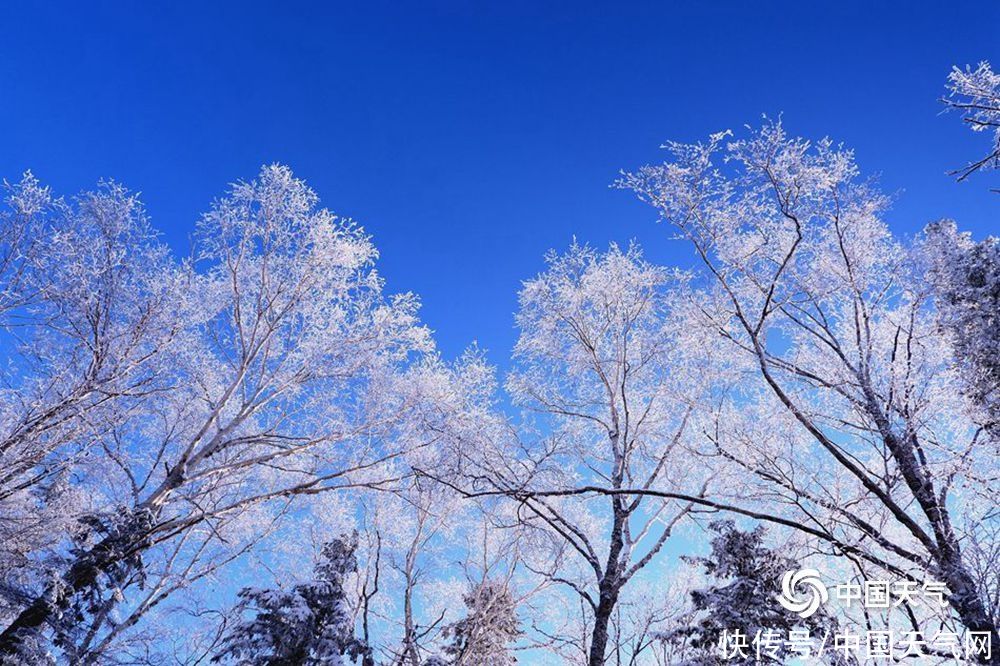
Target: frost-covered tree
[(844, 412), (967, 283), (419, 526), (966, 279), (744, 575), (975, 93), (85, 318), (26, 205), (276, 384), (597, 359), (424, 527), (484, 636), (309, 624)]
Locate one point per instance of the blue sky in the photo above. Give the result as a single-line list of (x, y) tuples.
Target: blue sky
[(468, 137)]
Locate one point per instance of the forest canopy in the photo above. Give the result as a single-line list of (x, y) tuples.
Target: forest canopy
[(256, 454)]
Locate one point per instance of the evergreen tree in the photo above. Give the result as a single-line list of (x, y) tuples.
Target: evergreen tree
[(966, 278), (743, 599), (308, 625)]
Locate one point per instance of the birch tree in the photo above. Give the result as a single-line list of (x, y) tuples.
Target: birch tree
[(282, 340), (597, 359), (849, 414), (84, 319)]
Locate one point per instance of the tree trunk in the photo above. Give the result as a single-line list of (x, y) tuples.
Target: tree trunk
[(602, 618), (964, 595), (368, 656), (610, 582), (411, 655), (969, 606)]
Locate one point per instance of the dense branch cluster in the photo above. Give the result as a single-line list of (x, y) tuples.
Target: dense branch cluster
[(975, 93)]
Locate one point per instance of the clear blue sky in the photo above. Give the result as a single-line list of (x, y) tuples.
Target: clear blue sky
[(471, 137)]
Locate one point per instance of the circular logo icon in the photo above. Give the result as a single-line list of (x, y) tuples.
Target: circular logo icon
[(816, 593)]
